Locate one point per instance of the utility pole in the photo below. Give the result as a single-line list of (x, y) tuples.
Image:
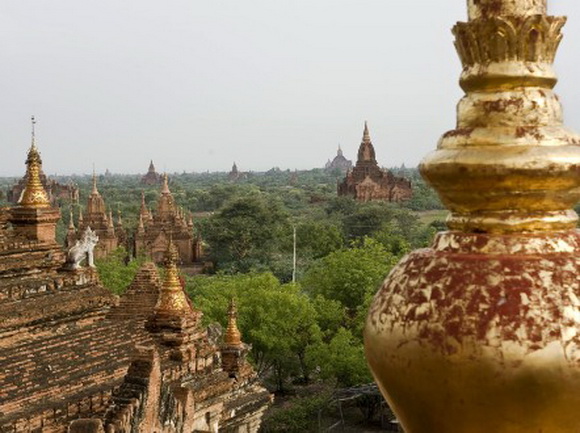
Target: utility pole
[(294, 256)]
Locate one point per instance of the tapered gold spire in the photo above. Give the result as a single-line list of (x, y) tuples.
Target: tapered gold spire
[(366, 150), (34, 194), (366, 135), (172, 298), (233, 335)]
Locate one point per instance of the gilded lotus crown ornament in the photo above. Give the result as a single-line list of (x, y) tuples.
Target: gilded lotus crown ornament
[(34, 195), (172, 298), (481, 332), (510, 165)]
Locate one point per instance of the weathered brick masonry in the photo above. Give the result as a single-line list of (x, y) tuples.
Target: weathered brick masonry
[(74, 357)]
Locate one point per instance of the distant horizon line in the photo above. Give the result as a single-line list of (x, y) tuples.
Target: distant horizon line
[(90, 174)]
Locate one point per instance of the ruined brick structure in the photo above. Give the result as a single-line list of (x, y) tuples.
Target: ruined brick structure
[(101, 222), (367, 181), (151, 177), (339, 162), (168, 222), (75, 358)]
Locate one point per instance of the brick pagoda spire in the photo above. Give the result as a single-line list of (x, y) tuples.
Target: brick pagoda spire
[(169, 221), (234, 351), (97, 219)]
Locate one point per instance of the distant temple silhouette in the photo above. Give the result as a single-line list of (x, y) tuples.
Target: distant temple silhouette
[(339, 162), (151, 177)]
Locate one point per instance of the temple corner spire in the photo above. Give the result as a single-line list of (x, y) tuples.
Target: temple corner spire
[(233, 336)]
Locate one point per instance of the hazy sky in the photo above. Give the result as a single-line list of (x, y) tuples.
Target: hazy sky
[(197, 84)]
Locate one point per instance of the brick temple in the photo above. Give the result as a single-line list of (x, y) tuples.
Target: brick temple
[(101, 222), (235, 174), (339, 162), (367, 181), (75, 358), (169, 221)]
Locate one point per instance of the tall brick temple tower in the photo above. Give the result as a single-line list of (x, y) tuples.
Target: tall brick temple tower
[(367, 181), (155, 229), (480, 333)]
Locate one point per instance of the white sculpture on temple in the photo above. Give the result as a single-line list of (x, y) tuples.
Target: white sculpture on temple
[(83, 248)]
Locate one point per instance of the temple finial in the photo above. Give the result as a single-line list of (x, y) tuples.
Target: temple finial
[(366, 134), (71, 222), (165, 188), (33, 124), (95, 190), (233, 335), (34, 194), (172, 299)]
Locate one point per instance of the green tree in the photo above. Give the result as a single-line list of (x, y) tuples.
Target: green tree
[(116, 271), (347, 276), (341, 360), (244, 234), (277, 320)]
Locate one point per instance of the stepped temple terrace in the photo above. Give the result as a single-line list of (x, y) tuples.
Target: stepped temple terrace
[(75, 358), (480, 332), (367, 181)]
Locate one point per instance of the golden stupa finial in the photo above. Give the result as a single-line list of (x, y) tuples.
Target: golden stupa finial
[(233, 336), (34, 194), (510, 165), (172, 297), (366, 135)]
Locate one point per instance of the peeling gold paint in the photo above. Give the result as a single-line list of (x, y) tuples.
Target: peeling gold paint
[(480, 333)]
